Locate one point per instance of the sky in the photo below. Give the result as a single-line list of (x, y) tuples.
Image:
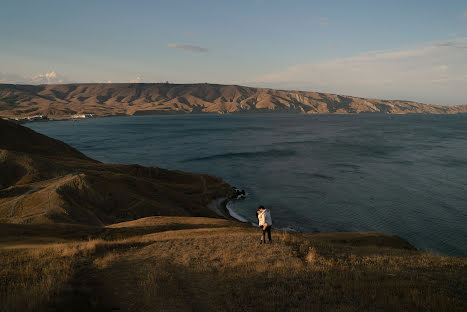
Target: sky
[(410, 50)]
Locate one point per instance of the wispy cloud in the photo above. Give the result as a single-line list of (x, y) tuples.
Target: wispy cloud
[(458, 44), (323, 21), (191, 34), (10, 78), (45, 78), (187, 47), (434, 73)]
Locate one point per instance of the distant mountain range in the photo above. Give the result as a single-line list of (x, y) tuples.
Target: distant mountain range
[(109, 99)]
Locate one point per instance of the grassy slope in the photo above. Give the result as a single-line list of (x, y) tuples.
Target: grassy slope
[(45, 180), (203, 264)]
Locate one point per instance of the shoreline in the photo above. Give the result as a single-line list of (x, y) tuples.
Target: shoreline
[(227, 209), (25, 120), (221, 207)]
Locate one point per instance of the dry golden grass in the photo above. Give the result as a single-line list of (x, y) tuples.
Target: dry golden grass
[(30, 277), (233, 272), (217, 265)]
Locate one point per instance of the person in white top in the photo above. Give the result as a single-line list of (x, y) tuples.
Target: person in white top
[(265, 222)]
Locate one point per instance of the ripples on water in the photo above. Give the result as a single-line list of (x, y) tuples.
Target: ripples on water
[(402, 174)]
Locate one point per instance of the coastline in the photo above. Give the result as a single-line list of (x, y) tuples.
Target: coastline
[(27, 120), (106, 266), (221, 207), (246, 208), (233, 214)]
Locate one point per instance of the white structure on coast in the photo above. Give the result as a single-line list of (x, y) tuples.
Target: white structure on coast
[(81, 116)]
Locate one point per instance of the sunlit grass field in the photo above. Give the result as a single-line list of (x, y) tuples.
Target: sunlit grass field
[(203, 264)]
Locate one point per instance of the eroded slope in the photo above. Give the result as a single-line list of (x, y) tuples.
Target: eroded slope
[(66, 100)]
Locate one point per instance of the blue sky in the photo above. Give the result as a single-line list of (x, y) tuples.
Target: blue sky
[(415, 50)]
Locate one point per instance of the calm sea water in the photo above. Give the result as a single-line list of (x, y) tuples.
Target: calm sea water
[(403, 174)]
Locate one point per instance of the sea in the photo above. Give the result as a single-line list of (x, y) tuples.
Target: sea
[(399, 174)]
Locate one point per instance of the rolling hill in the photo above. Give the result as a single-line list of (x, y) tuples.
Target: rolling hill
[(110, 99), (44, 180)]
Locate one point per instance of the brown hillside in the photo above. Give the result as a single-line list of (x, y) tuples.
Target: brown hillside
[(45, 180), (66, 100), (14, 137)]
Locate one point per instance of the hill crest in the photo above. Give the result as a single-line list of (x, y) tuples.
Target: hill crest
[(110, 99)]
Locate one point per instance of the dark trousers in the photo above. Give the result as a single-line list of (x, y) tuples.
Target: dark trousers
[(268, 230)]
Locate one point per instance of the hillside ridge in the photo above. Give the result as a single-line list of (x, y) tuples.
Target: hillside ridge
[(110, 99)]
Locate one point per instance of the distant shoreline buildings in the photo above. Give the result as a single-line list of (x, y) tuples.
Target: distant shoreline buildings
[(46, 118)]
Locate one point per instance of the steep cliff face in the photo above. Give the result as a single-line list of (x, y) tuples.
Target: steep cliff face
[(64, 101), (44, 180)]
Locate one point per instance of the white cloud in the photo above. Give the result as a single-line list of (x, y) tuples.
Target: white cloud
[(138, 79), (46, 78), (187, 47), (434, 73), (324, 21)]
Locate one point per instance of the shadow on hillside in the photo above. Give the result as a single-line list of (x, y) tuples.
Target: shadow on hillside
[(12, 234)]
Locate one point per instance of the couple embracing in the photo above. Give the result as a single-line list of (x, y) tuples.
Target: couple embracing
[(265, 223)]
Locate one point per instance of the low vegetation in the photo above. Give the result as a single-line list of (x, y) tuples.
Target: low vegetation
[(31, 276), (202, 264)]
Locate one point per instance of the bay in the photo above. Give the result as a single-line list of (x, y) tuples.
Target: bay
[(400, 174)]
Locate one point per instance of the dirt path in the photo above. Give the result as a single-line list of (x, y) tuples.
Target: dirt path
[(17, 201), (35, 187)]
